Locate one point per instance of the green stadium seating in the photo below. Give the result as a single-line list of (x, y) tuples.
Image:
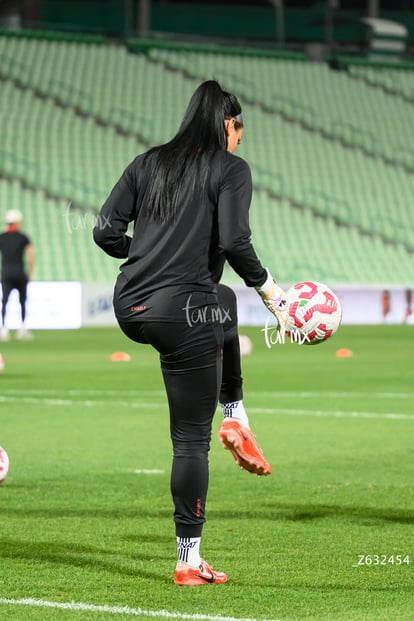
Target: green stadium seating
[(331, 155), (62, 236)]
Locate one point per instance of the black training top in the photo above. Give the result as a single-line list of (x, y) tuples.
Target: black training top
[(185, 256), (12, 245)]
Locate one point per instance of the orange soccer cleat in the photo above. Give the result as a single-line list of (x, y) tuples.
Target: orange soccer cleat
[(186, 575), (240, 441)]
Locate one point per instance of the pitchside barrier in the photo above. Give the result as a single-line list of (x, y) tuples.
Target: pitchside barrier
[(50, 306), (71, 305)]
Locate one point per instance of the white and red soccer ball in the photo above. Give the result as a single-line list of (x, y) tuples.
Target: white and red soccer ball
[(314, 313), (4, 464)]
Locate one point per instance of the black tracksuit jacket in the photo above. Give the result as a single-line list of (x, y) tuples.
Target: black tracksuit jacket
[(165, 262)]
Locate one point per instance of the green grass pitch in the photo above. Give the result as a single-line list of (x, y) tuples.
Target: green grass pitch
[(86, 516)]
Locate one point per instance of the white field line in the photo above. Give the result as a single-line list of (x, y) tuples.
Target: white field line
[(119, 610), (334, 414), (75, 392), (72, 392), (83, 403), (152, 405), (252, 393), (336, 395)]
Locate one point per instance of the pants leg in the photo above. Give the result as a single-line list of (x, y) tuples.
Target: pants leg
[(190, 358), (8, 284), (22, 289), (232, 382), (7, 288)]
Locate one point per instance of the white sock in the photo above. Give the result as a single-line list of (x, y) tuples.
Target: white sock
[(236, 410), (188, 550)]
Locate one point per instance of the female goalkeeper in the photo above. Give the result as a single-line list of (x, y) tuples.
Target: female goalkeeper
[(189, 201)]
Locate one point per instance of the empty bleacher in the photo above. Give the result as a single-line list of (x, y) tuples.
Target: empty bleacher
[(61, 235), (331, 156)]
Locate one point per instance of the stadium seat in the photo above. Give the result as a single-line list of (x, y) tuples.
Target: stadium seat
[(331, 149)]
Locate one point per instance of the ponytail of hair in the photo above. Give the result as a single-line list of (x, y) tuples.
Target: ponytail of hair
[(188, 155)]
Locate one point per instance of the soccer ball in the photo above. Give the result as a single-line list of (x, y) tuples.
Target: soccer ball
[(314, 313), (246, 346), (4, 464)]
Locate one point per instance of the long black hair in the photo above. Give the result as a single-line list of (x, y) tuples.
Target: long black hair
[(187, 156)]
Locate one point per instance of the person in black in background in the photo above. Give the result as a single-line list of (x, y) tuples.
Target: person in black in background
[(18, 259), (189, 201)]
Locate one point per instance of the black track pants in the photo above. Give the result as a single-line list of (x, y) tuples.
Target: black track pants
[(190, 358), (10, 283), (199, 363), (231, 386)]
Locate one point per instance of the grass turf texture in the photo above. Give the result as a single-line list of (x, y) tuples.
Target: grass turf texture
[(79, 524)]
